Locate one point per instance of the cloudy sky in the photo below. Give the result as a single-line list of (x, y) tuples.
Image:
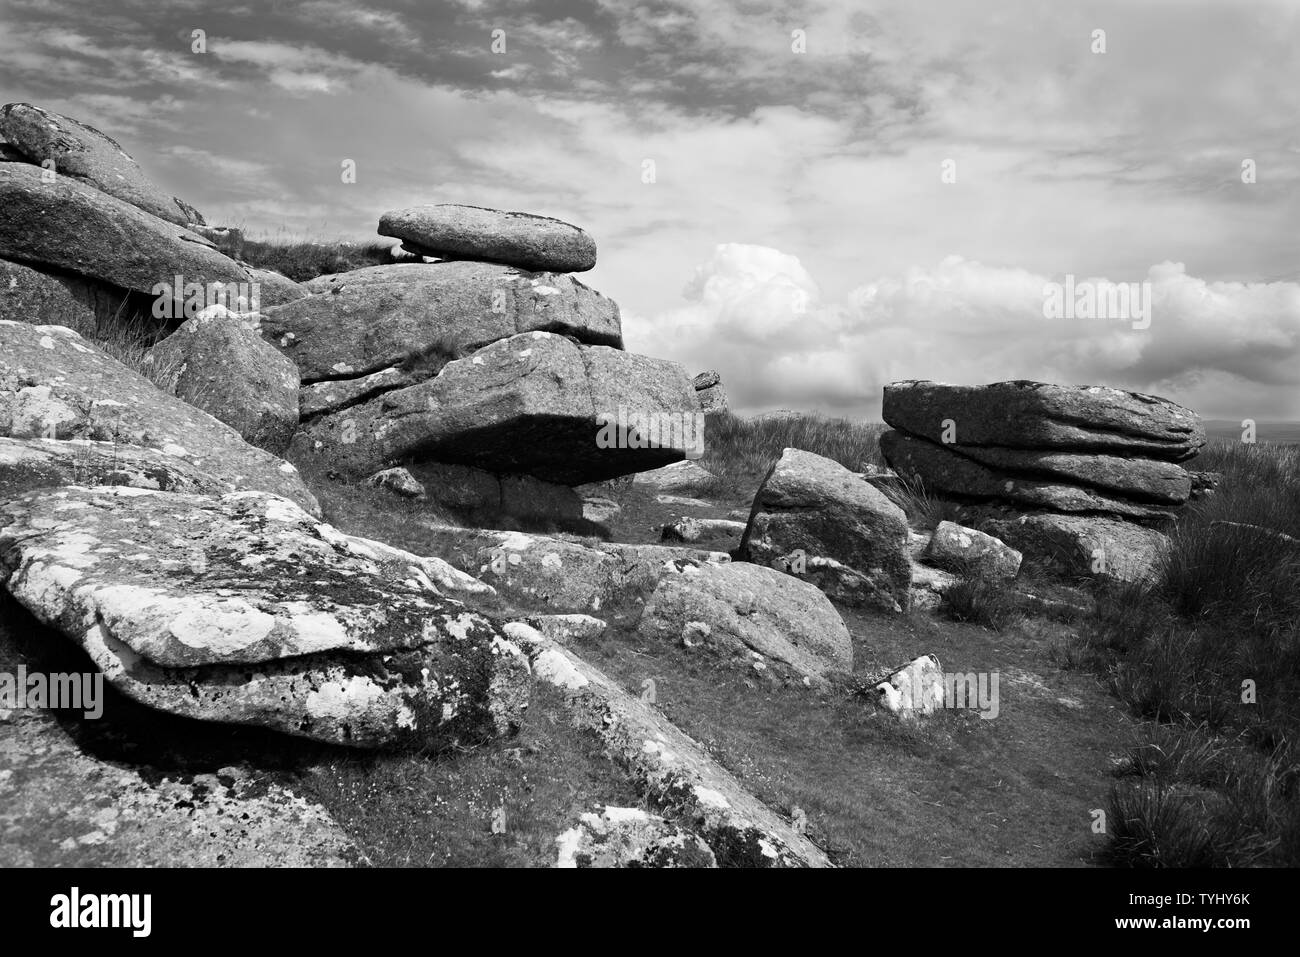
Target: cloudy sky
[(844, 193)]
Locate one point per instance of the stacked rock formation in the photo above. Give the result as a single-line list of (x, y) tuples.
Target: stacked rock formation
[(493, 373), (1088, 465)]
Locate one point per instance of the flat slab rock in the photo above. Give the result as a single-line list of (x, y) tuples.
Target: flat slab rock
[(38, 296), (356, 323), (529, 405), (1037, 415), (54, 384), (88, 156), (246, 610), (69, 225), (475, 232), (553, 575), (943, 469), (1090, 546)]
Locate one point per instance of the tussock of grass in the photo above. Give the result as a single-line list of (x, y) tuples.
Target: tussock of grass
[(981, 600), (301, 261), (1222, 616)]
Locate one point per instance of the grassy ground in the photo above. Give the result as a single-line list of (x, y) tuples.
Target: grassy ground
[(1210, 652)]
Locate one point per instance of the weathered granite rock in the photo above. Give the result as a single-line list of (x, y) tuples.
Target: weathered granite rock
[(245, 610), (553, 575), (914, 689), (68, 225), (630, 837), (491, 235), (691, 529), (1091, 546), (680, 478), (1036, 415), (965, 549), (88, 156), (28, 294), (1141, 479), (65, 806), (491, 499), (27, 464), (535, 404), (359, 322), (710, 393), (272, 288), (568, 629), (673, 772), (942, 469), (751, 608), (815, 518), (53, 384), (226, 369), (398, 481)]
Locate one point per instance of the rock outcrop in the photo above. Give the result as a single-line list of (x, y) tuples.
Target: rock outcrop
[(491, 235), (816, 519), (752, 613), (83, 153), (534, 404), (56, 387), (1059, 469), (245, 609), (226, 369)]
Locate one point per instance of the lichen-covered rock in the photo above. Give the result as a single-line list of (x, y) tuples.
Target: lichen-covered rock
[(535, 404), (751, 608), (88, 156), (226, 369), (816, 519), (689, 529), (1087, 545), (65, 806), (493, 235), (917, 688), (673, 772), (1036, 415), (356, 323), (27, 464), (67, 225), (246, 610), (630, 837), (553, 575), (398, 481), (54, 384), (966, 549), (567, 629)]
